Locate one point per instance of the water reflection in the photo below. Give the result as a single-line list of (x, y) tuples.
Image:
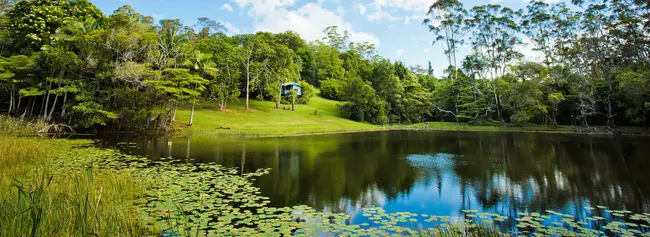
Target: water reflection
[(437, 173)]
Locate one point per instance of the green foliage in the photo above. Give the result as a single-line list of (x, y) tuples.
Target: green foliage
[(332, 89), (65, 61), (362, 103), (33, 23), (634, 89), (308, 91), (327, 63)]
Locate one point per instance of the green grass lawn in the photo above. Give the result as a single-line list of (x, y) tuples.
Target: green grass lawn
[(319, 116)]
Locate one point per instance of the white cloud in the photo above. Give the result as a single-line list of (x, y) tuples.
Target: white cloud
[(308, 21), (261, 6), (232, 29), (399, 52), (362, 8), (421, 6), (529, 53), (340, 10), (226, 7), (385, 10), (380, 15), (365, 37), (418, 18)]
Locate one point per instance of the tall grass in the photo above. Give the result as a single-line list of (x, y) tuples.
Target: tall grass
[(11, 125), (40, 198)]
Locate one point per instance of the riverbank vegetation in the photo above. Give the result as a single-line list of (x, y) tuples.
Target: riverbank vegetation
[(321, 116), (66, 62)]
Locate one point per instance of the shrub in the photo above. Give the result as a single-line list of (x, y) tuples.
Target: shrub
[(307, 92), (332, 89)]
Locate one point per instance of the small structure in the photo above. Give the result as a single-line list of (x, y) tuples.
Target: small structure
[(288, 87)]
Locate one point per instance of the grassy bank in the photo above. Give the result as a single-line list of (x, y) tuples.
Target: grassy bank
[(263, 120), (451, 126), (321, 116), (11, 125), (47, 190)]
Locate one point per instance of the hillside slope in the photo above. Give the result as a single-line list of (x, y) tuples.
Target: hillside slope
[(319, 116)]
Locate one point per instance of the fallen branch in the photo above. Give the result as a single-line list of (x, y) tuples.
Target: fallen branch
[(447, 112), (57, 129)]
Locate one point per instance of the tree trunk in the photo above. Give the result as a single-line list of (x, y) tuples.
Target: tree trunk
[(248, 80), (277, 102), (191, 116), (31, 110), (174, 114), (11, 99), (610, 116), (49, 116), (497, 101), (293, 103), (65, 98), (47, 102)]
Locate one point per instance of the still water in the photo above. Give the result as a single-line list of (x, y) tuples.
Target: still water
[(436, 173)]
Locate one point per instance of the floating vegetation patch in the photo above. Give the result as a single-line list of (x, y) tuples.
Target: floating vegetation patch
[(182, 198)]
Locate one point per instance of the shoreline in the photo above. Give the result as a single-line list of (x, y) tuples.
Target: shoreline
[(437, 126)]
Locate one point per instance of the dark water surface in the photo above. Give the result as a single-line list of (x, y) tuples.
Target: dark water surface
[(436, 173)]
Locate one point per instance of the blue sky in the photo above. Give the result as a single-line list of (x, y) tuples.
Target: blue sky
[(393, 25)]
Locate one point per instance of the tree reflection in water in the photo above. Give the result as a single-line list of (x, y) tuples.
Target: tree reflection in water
[(438, 173)]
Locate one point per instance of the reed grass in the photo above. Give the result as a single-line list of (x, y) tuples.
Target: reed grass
[(11, 125), (39, 196)]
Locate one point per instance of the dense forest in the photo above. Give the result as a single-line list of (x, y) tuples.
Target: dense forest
[(66, 62)]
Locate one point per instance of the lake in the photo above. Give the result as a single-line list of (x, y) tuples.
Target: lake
[(425, 172)]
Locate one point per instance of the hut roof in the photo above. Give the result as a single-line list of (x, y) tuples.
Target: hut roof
[(291, 84)]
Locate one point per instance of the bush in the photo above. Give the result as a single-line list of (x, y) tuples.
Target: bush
[(332, 89), (307, 92)]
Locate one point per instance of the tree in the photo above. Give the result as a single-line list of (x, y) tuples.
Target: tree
[(599, 54), (307, 92), (416, 100), (5, 32), (13, 71), (446, 21), (362, 103), (283, 66), (388, 87), (522, 92), (572, 66), (180, 85), (634, 89), (327, 63), (206, 27), (225, 86), (332, 89), (254, 52), (495, 37), (537, 24), (335, 40), (34, 22), (203, 66)]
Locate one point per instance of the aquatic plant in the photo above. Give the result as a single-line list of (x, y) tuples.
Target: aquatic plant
[(69, 187)]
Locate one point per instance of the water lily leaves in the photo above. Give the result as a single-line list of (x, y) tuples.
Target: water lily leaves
[(211, 200)]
